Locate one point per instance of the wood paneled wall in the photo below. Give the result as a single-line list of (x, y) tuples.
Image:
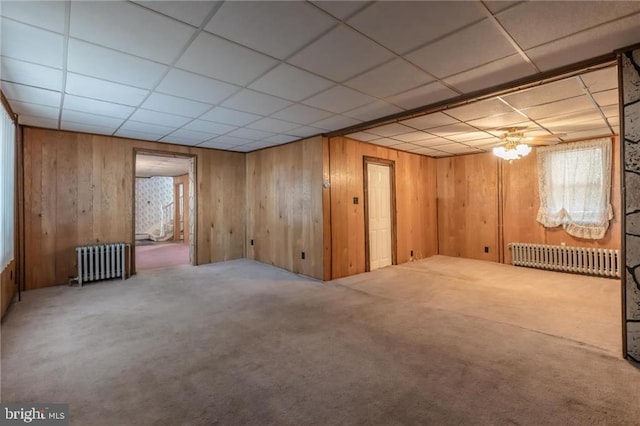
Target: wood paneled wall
[(415, 204), (285, 206), (521, 202), (468, 206), (7, 286), (484, 201), (78, 190)]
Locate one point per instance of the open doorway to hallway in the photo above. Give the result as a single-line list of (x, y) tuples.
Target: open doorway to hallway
[(164, 210)]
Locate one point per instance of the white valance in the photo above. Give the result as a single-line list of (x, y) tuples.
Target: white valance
[(575, 185)]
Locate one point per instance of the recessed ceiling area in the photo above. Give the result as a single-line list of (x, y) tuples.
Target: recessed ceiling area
[(242, 76), (160, 165), (574, 108)]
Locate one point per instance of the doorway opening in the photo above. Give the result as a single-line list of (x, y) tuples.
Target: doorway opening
[(380, 213), (164, 210)]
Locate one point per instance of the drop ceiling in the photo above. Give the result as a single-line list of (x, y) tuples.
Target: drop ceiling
[(243, 75), (159, 165)]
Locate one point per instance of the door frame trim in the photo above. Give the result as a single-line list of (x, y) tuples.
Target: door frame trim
[(394, 237)]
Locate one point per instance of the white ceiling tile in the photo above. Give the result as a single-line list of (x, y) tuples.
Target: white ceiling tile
[(473, 46), (227, 141), (301, 114), (484, 143), (23, 42), (339, 99), (115, 24), (545, 93), (468, 137), (192, 86), (273, 125), (35, 110), (587, 44), (107, 64), (373, 110), (389, 79), (451, 129), (547, 21), (278, 139), (275, 28), (601, 80), (220, 59), (414, 23), (86, 128), (424, 95), (91, 119), (250, 134), (578, 103), (492, 74), (340, 54), (429, 121), (255, 102), (431, 143), (479, 109), (591, 133), (159, 118), (428, 152), (335, 123), (215, 145), (21, 72), (363, 136), (568, 125), (290, 83), (414, 136), (456, 148), (496, 6), (89, 87), (178, 141), (498, 121), (388, 130), (174, 105), (229, 116), (340, 9), (305, 131), (385, 142), (242, 148), (406, 147), (92, 106), (190, 12), (611, 111), (153, 130), (135, 134), (187, 136), (209, 127), (49, 15), (606, 98), (20, 92), (47, 123)]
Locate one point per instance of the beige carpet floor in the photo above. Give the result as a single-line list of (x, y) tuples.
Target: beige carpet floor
[(439, 341)]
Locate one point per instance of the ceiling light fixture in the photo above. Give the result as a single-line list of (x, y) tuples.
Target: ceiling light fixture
[(513, 149)]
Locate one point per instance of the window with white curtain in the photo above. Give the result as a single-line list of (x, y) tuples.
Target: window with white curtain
[(7, 164), (575, 186)]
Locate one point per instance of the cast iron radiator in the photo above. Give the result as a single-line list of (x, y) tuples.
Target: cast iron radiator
[(102, 262), (581, 260)]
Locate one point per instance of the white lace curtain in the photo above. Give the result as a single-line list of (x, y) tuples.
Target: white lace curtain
[(575, 185)]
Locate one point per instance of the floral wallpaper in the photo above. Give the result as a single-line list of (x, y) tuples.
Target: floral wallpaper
[(151, 194)]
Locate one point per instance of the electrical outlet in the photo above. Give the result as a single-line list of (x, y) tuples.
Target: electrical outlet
[(486, 249), (411, 253), (251, 242), (355, 200), (302, 256)]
